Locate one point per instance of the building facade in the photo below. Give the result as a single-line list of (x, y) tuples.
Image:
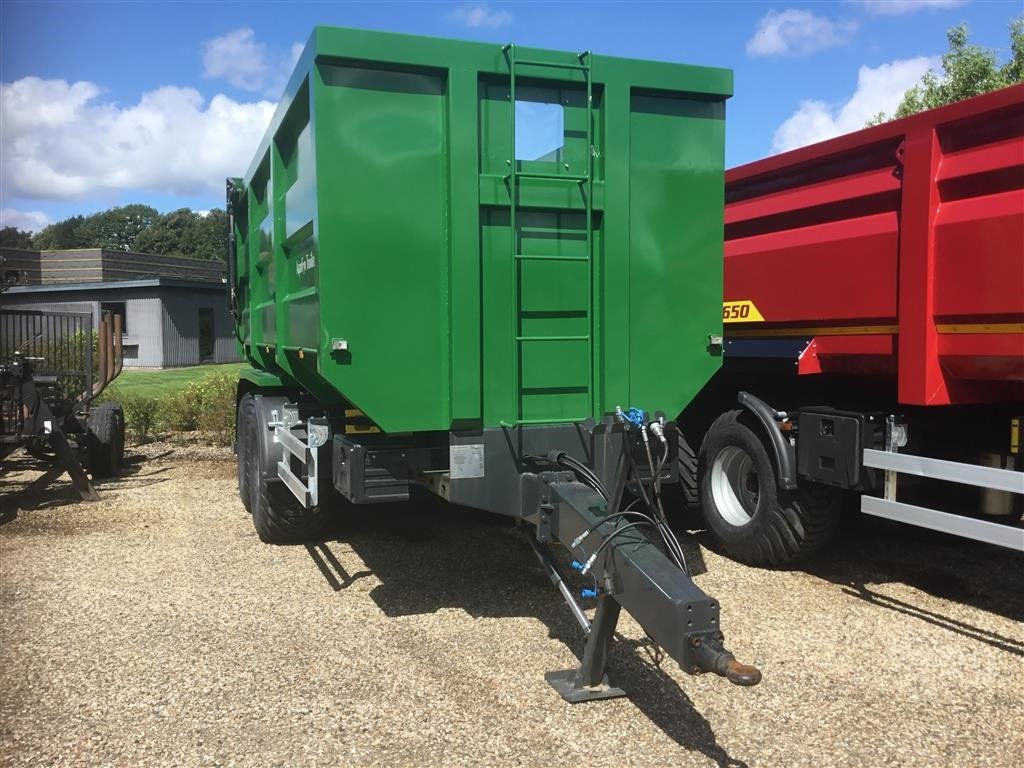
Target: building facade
[(175, 310)]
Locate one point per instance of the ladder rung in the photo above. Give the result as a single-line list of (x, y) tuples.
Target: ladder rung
[(552, 176), (524, 257), (553, 338), (532, 63)]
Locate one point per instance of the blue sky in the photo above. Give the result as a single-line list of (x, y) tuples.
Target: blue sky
[(110, 103)]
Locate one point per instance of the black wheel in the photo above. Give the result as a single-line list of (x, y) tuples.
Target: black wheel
[(245, 435), (689, 487), (105, 440), (277, 515), (755, 520)]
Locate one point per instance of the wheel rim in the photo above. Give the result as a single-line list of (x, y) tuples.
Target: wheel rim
[(734, 485)]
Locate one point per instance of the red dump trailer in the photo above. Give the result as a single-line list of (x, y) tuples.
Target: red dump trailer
[(874, 337)]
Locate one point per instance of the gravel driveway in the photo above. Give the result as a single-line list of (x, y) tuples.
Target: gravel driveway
[(153, 628)]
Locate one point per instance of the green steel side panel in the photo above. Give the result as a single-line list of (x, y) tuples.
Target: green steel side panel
[(378, 216), (383, 233), (676, 205)]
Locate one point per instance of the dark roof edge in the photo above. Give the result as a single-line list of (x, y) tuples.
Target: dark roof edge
[(157, 282)]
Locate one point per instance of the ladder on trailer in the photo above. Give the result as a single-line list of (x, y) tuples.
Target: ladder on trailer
[(585, 182)]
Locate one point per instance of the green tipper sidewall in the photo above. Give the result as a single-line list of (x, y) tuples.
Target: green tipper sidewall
[(384, 275)]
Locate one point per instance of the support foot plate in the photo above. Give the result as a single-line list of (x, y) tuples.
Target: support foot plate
[(566, 682)]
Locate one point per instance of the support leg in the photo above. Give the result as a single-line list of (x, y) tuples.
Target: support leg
[(590, 681), (66, 456)]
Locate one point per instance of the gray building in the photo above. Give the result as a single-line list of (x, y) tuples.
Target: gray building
[(175, 310)]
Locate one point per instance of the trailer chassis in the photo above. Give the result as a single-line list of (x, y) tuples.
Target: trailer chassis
[(523, 472)]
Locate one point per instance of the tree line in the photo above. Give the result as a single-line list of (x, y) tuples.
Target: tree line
[(135, 227), (968, 70)]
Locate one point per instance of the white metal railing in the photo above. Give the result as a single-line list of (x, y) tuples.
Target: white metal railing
[(994, 478)]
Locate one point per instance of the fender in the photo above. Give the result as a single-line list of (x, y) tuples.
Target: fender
[(783, 451)]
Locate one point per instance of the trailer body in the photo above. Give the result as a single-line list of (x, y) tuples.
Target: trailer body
[(451, 263), (382, 258), (897, 250), (874, 324)]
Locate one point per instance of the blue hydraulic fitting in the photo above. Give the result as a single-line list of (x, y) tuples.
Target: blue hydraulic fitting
[(636, 417), (588, 592), (576, 565)]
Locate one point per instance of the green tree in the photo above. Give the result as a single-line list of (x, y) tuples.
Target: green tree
[(186, 233), (169, 235), (12, 237), (119, 228), (141, 228), (969, 70), (211, 239), (69, 233)]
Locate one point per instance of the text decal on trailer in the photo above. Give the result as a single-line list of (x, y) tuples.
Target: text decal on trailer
[(740, 312)]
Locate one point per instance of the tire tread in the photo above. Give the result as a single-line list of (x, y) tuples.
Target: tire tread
[(787, 527)]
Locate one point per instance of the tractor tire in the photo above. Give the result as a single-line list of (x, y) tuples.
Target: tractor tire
[(277, 515), (105, 440), (689, 486), (245, 425), (755, 521)]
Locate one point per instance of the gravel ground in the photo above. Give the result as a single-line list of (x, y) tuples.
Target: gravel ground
[(153, 628)]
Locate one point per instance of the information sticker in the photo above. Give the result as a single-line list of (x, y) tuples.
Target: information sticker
[(465, 461)]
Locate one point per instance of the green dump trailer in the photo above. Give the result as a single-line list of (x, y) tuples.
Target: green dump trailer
[(454, 265)]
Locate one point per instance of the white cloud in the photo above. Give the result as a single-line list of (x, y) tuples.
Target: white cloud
[(897, 7), (797, 33), (28, 221), (477, 15), (879, 89), (61, 142), (239, 59)]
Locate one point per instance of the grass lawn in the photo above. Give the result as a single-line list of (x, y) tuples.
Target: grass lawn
[(143, 383)]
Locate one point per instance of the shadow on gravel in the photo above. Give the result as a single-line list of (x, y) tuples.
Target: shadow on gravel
[(637, 667), (331, 569), (429, 555), (52, 489), (870, 551)]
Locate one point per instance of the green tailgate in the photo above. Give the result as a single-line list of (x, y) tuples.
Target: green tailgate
[(414, 245)]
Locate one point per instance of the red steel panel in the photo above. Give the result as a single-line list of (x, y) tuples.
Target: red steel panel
[(998, 156), (979, 269), (920, 378), (843, 271), (875, 353), (860, 185), (918, 222), (1006, 98)]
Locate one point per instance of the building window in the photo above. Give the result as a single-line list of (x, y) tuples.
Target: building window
[(206, 335), (115, 308)]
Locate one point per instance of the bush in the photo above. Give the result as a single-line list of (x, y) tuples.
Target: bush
[(214, 402), (140, 416), (206, 406)]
